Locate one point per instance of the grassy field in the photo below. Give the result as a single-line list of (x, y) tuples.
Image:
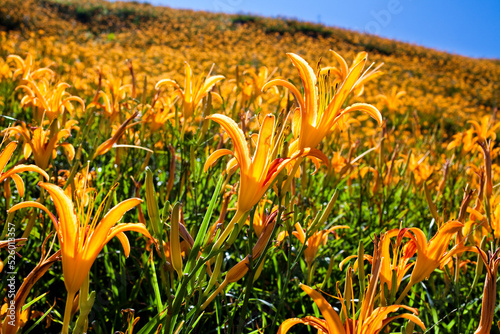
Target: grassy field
[(257, 174)]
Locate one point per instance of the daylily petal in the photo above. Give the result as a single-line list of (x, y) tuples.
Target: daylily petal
[(188, 83), (125, 243), (280, 82), (299, 233), (69, 149), (319, 324), (6, 154), (367, 108), (23, 168), (32, 204), (215, 156), (100, 234), (331, 317), (310, 112), (19, 184), (242, 152), (312, 152), (66, 212), (260, 157), (207, 85), (343, 65), (341, 95), (166, 82)]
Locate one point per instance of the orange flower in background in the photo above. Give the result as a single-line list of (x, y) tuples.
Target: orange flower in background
[(401, 255), (81, 237), (418, 165), (252, 88), (25, 68), (159, 113), (314, 242), (47, 101), (485, 129), (194, 91), (368, 319), (392, 100), (44, 143), (432, 254), (5, 156)]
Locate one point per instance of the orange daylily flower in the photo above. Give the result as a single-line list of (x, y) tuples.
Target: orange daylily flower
[(418, 165), (314, 242), (25, 68), (5, 156), (257, 173), (319, 111), (465, 139), (433, 254), (158, 113), (401, 256), (392, 100), (252, 89), (343, 71), (485, 129), (81, 239), (492, 262), (193, 91), (113, 97), (47, 101), (43, 143), (331, 324), (370, 320)]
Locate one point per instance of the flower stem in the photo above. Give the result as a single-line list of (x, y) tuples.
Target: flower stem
[(237, 217), (67, 312), (291, 176), (403, 295), (213, 295)]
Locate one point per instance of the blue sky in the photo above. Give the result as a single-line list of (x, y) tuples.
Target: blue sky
[(470, 28)]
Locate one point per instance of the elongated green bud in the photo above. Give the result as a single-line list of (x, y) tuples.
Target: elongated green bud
[(479, 265), (361, 270), (175, 244), (432, 206), (152, 205), (216, 272)]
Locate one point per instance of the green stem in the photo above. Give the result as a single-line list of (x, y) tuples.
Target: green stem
[(237, 217), (403, 295), (213, 295), (67, 312), (156, 289), (291, 176)]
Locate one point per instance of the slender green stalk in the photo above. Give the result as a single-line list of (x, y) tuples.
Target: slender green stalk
[(67, 312), (229, 228)]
